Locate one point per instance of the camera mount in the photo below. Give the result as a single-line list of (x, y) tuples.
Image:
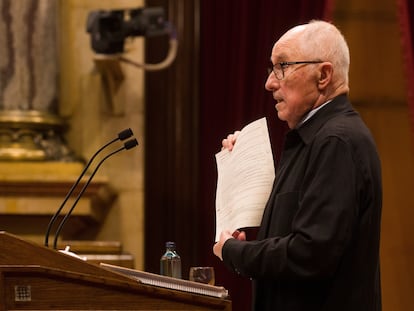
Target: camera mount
[(110, 28)]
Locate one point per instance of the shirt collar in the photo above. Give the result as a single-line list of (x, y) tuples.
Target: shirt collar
[(311, 113), (340, 105)]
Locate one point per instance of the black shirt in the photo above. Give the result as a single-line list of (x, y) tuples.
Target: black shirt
[(318, 243)]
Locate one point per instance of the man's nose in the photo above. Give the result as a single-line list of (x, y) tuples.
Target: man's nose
[(271, 83)]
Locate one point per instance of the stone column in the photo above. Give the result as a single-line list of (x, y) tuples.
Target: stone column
[(30, 128)]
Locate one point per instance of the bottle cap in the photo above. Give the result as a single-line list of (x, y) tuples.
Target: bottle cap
[(170, 244)]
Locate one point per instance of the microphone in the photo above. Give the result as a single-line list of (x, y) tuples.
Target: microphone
[(121, 136), (127, 145)]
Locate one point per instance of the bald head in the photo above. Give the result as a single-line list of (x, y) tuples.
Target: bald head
[(310, 67), (322, 41)]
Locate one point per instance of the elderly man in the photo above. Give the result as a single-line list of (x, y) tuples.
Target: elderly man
[(318, 243)]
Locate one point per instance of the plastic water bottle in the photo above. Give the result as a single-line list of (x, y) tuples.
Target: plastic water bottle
[(170, 262)]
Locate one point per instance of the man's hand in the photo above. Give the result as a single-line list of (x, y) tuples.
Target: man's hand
[(224, 236), (228, 143)]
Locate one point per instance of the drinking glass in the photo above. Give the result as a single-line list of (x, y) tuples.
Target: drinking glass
[(202, 275)]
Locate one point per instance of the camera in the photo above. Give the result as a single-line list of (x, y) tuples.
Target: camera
[(110, 28)]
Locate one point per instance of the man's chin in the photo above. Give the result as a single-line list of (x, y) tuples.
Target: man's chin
[(281, 115)]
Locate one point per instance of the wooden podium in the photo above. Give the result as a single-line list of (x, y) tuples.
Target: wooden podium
[(33, 277)]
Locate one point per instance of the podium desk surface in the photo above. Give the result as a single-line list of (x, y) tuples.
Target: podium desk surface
[(36, 277)]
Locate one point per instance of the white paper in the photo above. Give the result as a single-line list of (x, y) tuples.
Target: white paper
[(245, 179)]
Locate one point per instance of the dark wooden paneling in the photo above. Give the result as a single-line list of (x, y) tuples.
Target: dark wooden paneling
[(171, 161)]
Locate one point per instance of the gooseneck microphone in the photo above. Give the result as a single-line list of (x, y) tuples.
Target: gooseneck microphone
[(121, 136), (128, 145)]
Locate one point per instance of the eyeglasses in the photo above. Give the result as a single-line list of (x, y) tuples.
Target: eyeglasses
[(279, 68)]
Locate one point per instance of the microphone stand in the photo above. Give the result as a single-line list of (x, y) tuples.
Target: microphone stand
[(121, 136), (128, 145)]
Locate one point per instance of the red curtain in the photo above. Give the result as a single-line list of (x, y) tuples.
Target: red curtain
[(236, 38), (405, 9)]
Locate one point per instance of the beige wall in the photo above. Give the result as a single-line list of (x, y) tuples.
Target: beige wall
[(96, 118), (378, 92)]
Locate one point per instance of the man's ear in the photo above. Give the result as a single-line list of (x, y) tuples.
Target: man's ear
[(325, 75)]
